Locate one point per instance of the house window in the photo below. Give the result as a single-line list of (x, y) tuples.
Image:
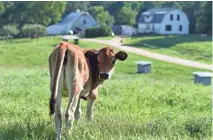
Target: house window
[(171, 17), (178, 17), (85, 22), (180, 28), (168, 27)]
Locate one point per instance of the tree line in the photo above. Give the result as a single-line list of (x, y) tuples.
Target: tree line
[(19, 14)]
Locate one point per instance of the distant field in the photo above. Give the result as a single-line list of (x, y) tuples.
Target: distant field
[(164, 104), (193, 47)]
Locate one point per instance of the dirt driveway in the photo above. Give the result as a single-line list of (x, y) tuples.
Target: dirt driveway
[(116, 43)]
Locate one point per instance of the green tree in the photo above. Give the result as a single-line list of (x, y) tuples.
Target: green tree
[(1, 7), (191, 8), (173, 4), (44, 13), (101, 16), (204, 18), (126, 16), (9, 31), (29, 29), (114, 8), (13, 13), (136, 6), (73, 6)]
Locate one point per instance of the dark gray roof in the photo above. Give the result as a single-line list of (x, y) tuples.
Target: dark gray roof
[(157, 17)]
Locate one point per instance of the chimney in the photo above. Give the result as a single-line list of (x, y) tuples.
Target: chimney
[(78, 10)]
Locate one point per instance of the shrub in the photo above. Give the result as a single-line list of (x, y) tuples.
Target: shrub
[(100, 31), (9, 31), (30, 29)]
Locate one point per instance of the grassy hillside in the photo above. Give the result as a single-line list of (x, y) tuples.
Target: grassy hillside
[(164, 104), (193, 47)]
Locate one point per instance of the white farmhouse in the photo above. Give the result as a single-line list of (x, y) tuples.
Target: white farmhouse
[(75, 21), (163, 21)]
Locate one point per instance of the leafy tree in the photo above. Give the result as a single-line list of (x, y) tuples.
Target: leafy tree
[(134, 5), (105, 19), (44, 13), (73, 6), (13, 13), (190, 8), (9, 31), (204, 18), (114, 8), (173, 4), (97, 3), (1, 7), (207, 18), (30, 29), (151, 4), (95, 10), (126, 16), (102, 17)]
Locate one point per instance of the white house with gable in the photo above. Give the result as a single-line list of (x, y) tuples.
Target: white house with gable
[(163, 21), (75, 21)]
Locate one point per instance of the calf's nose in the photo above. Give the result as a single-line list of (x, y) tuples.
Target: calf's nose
[(104, 76)]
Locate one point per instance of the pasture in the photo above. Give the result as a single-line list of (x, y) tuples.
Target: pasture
[(164, 104), (192, 47)]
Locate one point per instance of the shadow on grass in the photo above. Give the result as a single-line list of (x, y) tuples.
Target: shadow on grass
[(28, 130), (168, 41)]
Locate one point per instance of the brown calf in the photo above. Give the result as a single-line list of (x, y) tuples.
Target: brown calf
[(81, 73)]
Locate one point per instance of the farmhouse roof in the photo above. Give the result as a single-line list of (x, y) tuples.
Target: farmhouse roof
[(70, 18), (65, 24), (157, 13)]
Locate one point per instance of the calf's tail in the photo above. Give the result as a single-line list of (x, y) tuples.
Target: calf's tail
[(60, 54)]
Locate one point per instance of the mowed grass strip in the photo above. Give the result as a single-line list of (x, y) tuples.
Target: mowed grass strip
[(192, 47), (164, 104)]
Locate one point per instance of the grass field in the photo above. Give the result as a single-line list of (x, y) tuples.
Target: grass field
[(193, 47), (164, 104)]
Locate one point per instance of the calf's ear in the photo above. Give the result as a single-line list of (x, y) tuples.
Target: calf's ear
[(90, 54), (121, 55)]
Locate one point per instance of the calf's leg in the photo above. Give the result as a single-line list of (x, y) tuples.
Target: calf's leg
[(74, 89), (91, 99), (78, 111)]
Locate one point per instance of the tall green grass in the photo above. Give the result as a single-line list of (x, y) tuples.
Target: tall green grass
[(164, 104)]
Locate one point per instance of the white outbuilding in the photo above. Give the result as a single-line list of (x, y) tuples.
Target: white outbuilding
[(77, 21), (163, 21)]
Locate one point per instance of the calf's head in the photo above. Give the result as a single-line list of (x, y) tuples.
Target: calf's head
[(105, 60)]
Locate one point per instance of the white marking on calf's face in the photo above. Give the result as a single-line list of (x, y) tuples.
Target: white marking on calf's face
[(109, 73), (106, 59)]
